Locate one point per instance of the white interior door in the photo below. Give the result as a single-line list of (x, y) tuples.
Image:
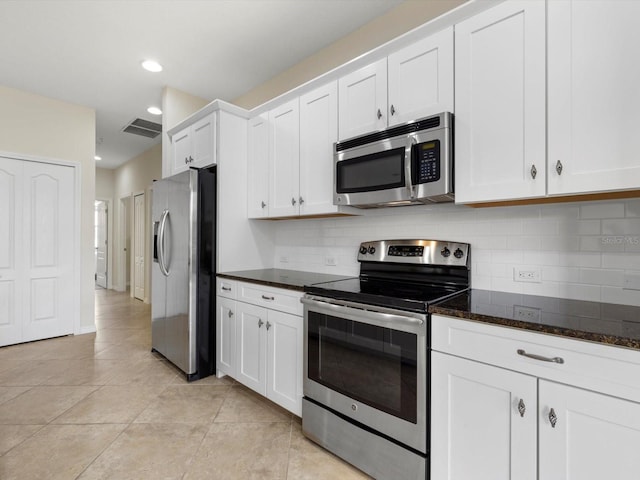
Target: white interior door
[(48, 226), (101, 243), (11, 252), (138, 246)]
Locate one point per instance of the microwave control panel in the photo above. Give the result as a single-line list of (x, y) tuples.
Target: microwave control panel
[(426, 162)]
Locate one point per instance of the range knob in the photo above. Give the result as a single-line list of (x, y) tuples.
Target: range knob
[(363, 250), (458, 253), (372, 250), (445, 252)]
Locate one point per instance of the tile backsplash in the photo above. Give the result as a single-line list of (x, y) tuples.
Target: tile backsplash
[(585, 251)]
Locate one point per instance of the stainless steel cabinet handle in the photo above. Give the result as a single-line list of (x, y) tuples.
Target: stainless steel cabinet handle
[(379, 114), (263, 204), (522, 407), (260, 323), (301, 200), (293, 201), (264, 297), (559, 167), (534, 171), (553, 418), (186, 160), (226, 289), (190, 159), (392, 110), (230, 314), (268, 325), (540, 357)]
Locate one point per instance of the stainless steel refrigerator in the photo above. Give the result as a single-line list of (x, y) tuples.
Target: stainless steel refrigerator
[(184, 271)]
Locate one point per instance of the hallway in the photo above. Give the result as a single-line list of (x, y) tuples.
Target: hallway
[(101, 406)]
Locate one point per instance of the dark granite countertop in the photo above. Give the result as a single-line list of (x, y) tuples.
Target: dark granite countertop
[(605, 323), (275, 277)]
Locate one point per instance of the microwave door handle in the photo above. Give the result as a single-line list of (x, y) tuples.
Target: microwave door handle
[(411, 141)]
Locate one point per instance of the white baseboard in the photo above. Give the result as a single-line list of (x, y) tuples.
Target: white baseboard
[(87, 329)]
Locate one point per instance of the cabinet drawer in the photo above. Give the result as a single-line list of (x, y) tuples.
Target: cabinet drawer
[(226, 288), (287, 301), (589, 365)]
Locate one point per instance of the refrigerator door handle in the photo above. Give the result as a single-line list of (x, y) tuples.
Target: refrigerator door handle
[(161, 257)]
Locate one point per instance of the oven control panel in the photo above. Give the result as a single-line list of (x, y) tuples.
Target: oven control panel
[(429, 252)]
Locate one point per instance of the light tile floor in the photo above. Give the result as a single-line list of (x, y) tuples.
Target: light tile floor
[(102, 406)]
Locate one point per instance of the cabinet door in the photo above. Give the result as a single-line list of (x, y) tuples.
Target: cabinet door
[(226, 336), (500, 103), (181, 150), (258, 167), (284, 352), (251, 343), (284, 160), (363, 100), (477, 430), (594, 101), (595, 436), (421, 78), (203, 142), (12, 252), (318, 133)]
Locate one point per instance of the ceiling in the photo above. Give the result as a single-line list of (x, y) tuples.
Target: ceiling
[(89, 52)]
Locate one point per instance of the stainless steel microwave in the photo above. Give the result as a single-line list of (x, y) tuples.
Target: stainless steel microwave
[(406, 164)]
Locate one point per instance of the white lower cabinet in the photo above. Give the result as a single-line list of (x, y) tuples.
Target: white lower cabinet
[(261, 347), (477, 430), (512, 421), (595, 436)]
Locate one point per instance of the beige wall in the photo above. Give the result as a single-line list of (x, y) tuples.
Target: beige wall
[(104, 183), (405, 17), (176, 106), (135, 176), (50, 129)]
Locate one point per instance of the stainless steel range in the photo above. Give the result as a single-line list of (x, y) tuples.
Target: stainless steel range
[(366, 354)]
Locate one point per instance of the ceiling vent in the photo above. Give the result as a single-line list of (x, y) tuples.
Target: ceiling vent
[(144, 128)]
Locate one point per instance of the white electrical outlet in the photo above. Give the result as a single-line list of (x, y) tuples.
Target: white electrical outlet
[(526, 314), (330, 261), (526, 274)]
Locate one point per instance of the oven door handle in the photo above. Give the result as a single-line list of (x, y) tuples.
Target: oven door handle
[(365, 311)]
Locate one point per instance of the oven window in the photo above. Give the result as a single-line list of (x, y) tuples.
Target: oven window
[(378, 171), (373, 365)]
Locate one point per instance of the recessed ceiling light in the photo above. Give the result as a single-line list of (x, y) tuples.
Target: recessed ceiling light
[(154, 111), (97, 158), (152, 66)]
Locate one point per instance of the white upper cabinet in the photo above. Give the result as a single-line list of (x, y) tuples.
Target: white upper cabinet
[(318, 133), (500, 103), (258, 167), (194, 146), (594, 100), (420, 83), (421, 79), (363, 100), (284, 160)]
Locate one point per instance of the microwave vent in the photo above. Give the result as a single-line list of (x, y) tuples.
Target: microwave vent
[(424, 124)]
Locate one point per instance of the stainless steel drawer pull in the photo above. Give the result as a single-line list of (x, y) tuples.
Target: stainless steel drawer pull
[(226, 289), (260, 323), (540, 357), (264, 297)]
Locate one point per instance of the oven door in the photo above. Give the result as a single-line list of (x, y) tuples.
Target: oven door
[(369, 364)]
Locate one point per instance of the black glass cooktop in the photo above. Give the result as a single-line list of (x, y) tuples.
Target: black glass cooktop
[(408, 296)]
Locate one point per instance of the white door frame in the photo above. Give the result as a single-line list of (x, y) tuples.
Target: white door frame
[(77, 247), (109, 202), (122, 243), (135, 220)]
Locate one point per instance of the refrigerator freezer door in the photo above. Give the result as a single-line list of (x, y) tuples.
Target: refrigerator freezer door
[(173, 320)]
